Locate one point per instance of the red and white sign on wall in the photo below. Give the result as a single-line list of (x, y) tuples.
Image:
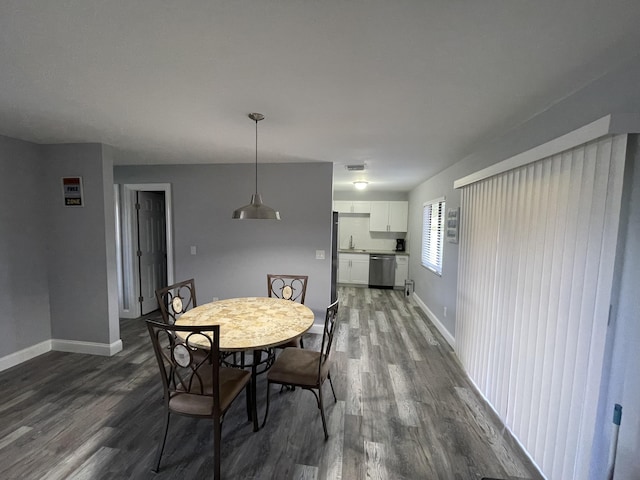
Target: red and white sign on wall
[(72, 191)]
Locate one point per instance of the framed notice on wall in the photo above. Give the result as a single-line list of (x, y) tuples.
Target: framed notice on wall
[(72, 191), (453, 218)]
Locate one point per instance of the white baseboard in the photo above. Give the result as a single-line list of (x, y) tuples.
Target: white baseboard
[(443, 331), (91, 348), (25, 354), (127, 314)]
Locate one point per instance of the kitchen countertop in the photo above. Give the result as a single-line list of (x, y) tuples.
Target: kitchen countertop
[(373, 252)]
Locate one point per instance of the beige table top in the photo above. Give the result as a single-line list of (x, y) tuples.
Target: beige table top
[(252, 322)]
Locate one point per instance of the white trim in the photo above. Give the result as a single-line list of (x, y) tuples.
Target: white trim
[(91, 348), (438, 324), (25, 354), (611, 124), (129, 305), (437, 200)]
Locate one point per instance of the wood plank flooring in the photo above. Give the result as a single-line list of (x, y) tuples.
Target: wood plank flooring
[(405, 410)]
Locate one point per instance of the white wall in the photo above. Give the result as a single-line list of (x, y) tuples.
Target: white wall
[(234, 256), (355, 228)]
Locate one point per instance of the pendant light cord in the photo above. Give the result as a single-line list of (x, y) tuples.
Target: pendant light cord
[(256, 156)]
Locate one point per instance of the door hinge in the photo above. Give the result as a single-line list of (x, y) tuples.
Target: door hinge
[(140, 299), (139, 253), (137, 206)]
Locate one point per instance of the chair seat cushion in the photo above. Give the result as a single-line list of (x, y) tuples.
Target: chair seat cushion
[(232, 381), (291, 343), (296, 366)]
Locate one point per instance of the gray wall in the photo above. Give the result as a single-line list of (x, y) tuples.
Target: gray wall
[(78, 239), (24, 290), (233, 256), (616, 92), (58, 268)]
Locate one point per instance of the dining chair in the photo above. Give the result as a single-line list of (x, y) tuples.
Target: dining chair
[(288, 287), (307, 369), (180, 297), (193, 386), (176, 299)]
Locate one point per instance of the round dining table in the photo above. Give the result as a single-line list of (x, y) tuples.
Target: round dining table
[(252, 324)]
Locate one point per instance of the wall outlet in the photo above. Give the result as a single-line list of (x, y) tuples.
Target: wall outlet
[(319, 254), (193, 250), (445, 312), (214, 299)]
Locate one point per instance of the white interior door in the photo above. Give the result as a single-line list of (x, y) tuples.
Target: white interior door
[(152, 248)]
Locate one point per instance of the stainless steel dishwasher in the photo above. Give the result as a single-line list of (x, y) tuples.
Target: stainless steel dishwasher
[(382, 270)]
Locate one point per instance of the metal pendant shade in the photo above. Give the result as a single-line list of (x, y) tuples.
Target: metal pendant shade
[(256, 209)]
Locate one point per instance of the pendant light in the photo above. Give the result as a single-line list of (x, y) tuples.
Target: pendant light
[(256, 209)]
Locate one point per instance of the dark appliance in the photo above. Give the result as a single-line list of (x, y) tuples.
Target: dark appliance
[(399, 244), (382, 271), (334, 256)]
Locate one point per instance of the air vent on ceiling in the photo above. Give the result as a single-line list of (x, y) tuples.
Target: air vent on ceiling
[(355, 168)]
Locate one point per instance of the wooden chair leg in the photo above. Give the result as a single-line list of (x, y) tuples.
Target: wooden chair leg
[(162, 443)]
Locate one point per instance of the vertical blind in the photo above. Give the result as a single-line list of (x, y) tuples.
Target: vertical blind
[(537, 248), (432, 233)]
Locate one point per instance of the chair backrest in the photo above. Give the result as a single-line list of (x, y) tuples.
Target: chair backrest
[(288, 287), (330, 323), (176, 299), (183, 371)]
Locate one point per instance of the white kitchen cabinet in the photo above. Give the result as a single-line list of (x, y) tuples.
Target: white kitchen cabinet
[(402, 270), (353, 268), (348, 206), (389, 216)]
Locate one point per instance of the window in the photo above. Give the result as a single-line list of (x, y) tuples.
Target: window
[(432, 233)]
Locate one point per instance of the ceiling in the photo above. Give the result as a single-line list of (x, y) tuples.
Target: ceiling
[(406, 87)]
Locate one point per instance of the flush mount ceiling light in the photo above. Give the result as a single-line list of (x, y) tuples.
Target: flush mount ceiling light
[(360, 184), (256, 209)]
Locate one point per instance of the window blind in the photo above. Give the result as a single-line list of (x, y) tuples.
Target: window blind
[(432, 234), (535, 275)]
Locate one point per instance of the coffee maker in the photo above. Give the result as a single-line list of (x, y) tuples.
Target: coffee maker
[(399, 244)]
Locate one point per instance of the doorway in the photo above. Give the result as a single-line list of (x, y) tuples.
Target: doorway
[(152, 248), (145, 246)]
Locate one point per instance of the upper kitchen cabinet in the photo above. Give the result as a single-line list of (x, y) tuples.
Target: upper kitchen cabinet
[(347, 206), (389, 216)]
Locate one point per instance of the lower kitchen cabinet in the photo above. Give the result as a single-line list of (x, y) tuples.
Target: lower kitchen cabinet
[(402, 270), (354, 268)]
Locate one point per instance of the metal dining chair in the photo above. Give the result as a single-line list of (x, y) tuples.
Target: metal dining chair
[(176, 299), (307, 369), (195, 386), (288, 287)]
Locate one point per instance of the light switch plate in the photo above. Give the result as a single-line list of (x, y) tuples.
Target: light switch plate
[(319, 254)]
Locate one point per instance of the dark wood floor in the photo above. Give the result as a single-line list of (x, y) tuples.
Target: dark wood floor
[(405, 410)]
